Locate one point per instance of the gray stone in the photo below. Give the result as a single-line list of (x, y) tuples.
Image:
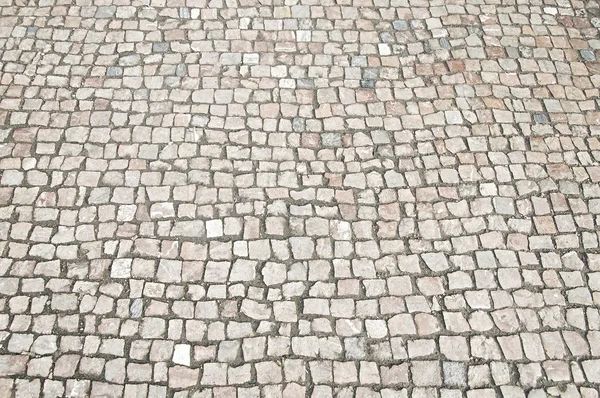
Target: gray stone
[(184, 12), (526, 52), (370, 73), (136, 308), (587, 55), (106, 12), (367, 83), (359, 60), (331, 139), (306, 83), (400, 24), (455, 374), (540, 118), (181, 70), (160, 47), (299, 124)]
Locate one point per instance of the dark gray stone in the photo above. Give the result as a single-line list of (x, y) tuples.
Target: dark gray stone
[(367, 83), (541, 118), (426, 47)]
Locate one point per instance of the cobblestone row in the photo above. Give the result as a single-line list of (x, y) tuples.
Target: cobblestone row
[(290, 198)]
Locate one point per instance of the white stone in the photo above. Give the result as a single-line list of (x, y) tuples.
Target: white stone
[(454, 117), (255, 310), (274, 273), (162, 210), (214, 228), (384, 49), (126, 212), (303, 35), (251, 59), (302, 248), (181, 354), (121, 268)]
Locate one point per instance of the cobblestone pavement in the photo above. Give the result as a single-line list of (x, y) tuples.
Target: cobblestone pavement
[(290, 198)]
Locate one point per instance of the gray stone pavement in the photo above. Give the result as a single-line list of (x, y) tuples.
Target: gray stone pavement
[(290, 198)]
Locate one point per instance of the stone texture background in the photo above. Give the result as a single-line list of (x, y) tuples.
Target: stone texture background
[(290, 198)]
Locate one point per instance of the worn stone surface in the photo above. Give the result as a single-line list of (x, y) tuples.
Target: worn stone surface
[(369, 198)]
